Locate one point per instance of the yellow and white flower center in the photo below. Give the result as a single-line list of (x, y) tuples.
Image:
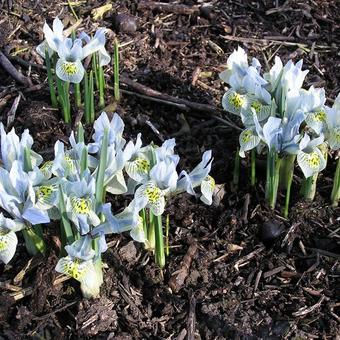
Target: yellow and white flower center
[(3, 241), (153, 194), (143, 165), (44, 191), (211, 182), (246, 136), (236, 100), (46, 167), (70, 68), (257, 106), (313, 160), (320, 116), (73, 269), (81, 205)]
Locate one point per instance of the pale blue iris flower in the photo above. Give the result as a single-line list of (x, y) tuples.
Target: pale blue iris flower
[(282, 135), (310, 157), (127, 220), (162, 180), (12, 148), (8, 237), (17, 195), (333, 125), (199, 176), (248, 88), (115, 128), (96, 43), (53, 38), (80, 265), (81, 203), (71, 53), (137, 160)]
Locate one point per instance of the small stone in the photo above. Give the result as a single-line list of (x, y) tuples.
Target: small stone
[(125, 23), (270, 231), (207, 12)]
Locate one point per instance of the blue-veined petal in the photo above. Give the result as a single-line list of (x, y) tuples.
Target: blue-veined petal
[(207, 190), (248, 141), (311, 163), (334, 138), (317, 120), (74, 267), (71, 71), (35, 215), (137, 233), (8, 245), (233, 102), (153, 196)]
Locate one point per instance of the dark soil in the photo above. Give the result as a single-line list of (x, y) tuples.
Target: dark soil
[(252, 274)]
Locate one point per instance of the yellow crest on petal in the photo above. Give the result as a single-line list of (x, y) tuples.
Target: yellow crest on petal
[(70, 68), (81, 205)]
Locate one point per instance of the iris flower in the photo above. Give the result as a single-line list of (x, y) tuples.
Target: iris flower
[(81, 203), (8, 237), (79, 264), (13, 148), (309, 157), (199, 176), (333, 124), (248, 88)]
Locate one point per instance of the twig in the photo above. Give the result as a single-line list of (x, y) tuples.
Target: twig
[(14, 73), (191, 322), (156, 94), (168, 8), (306, 310), (246, 258), (11, 113), (178, 277), (269, 41)]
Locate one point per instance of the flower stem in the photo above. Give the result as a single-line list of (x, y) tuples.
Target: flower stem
[(273, 175), (116, 70), (87, 100), (91, 92), (290, 160), (308, 188), (167, 227), (77, 95), (100, 191), (335, 195), (67, 236), (159, 242), (151, 231), (101, 87), (53, 95), (34, 243), (253, 167)]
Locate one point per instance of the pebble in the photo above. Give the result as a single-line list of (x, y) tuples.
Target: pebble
[(270, 231), (125, 23)]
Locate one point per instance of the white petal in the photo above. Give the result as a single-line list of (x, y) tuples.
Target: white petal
[(74, 267), (154, 197), (334, 139), (207, 189), (233, 102), (311, 163), (138, 169), (72, 72), (248, 141), (8, 245), (316, 120)]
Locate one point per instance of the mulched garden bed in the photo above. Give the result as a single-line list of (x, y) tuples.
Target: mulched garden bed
[(236, 270)]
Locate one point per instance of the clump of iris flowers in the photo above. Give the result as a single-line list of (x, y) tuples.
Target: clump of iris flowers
[(282, 120), (74, 187)]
